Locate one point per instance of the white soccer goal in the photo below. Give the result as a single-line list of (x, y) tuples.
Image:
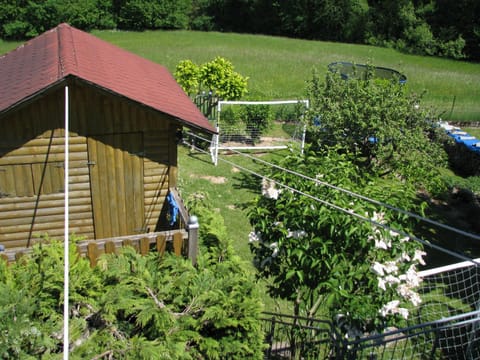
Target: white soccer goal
[(238, 135)]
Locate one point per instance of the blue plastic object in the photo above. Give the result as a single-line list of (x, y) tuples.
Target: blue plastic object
[(172, 208)]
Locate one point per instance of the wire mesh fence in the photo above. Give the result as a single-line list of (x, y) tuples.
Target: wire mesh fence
[(292, 337), (446, 325)]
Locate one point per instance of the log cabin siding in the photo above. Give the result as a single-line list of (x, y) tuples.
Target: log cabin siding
[(101, 124)]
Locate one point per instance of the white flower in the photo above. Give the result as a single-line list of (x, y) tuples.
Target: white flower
[(390, 279), (378, 268), (418, 256), (392, 308), (405, 257), (404, 291), (394, 233), (389, 308), (274, 246), (269, 190), (404, 239), (296, 234), (415, 299), (390, 267), (378, 217), (381, 283), (253, 237), (408, 294), (403, 312), (299, 234), (412, 278), (380, 244)]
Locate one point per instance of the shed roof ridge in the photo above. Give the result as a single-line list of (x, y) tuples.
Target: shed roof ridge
[(67, 56)]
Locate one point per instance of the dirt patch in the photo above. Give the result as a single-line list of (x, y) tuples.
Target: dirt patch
[(215, 179)]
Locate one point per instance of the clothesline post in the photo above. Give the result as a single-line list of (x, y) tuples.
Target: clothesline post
[(192, 228)]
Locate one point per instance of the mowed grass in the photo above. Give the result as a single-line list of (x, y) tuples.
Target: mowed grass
[(279, 67)]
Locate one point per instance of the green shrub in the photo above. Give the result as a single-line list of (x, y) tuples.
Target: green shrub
[(133, 306), (258, 120)]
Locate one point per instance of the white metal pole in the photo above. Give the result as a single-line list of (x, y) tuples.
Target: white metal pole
[(66, 312)]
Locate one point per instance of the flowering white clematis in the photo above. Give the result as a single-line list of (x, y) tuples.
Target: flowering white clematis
[(269, 190)]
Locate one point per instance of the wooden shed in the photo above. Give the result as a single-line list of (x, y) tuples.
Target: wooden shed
[(123, 114)]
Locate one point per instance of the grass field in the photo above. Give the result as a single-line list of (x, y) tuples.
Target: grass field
[(278, 67)]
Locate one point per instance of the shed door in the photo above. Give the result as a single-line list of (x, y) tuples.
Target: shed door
[(116, 178)]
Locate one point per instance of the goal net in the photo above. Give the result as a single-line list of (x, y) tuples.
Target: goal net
[(258, 125)]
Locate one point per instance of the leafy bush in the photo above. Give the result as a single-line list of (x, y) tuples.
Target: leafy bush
[(258, 119), (133, 306), (380, 122), (216, 78), (324, 260)]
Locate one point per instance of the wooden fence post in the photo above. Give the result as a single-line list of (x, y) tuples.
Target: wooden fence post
[(161, 244), (144, 246), (92, 253), (177, 243), (110, 248), (192, 228)]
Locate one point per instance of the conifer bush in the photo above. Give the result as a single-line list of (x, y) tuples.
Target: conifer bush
[(132, 306)]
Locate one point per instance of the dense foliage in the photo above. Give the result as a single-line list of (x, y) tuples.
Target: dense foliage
[(385, 126), (326, 261), (324, 249), (210, 82), (132, 306), (439, 27)]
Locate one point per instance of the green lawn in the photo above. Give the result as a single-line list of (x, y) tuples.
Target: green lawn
[(473, 131), (230, 189), (278, 67)]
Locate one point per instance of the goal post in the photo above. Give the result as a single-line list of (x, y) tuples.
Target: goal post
[(221, 127)]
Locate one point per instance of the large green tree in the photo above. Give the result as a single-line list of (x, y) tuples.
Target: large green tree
[(416, 27), (324, 248), (388, 128)]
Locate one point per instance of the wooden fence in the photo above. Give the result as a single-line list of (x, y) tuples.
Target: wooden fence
[(181, 242)]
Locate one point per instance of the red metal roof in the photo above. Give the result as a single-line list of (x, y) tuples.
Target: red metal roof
[(66, 51)]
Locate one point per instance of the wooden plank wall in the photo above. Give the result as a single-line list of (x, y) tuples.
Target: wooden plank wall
[(27, 138), (28, 134)]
